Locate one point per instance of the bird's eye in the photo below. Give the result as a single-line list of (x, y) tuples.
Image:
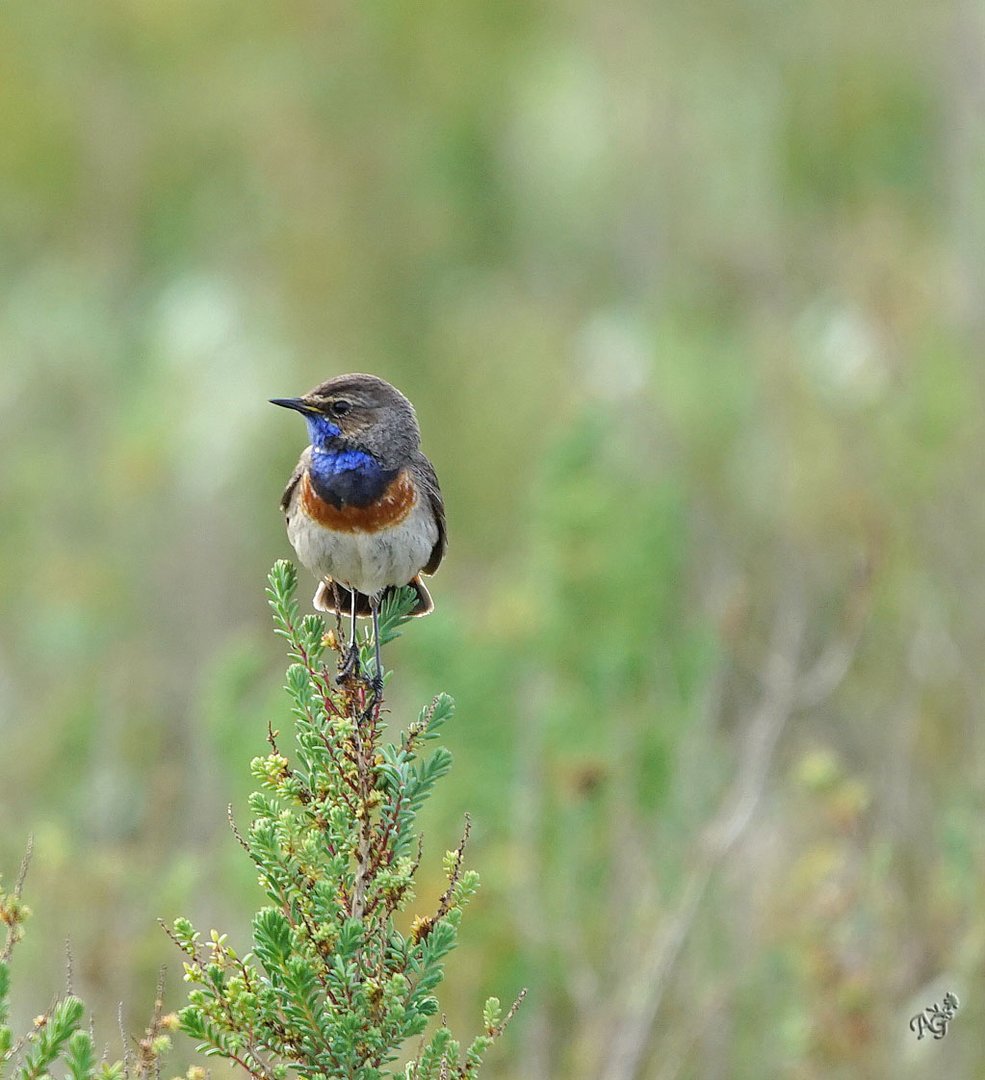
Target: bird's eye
[(340, 408)]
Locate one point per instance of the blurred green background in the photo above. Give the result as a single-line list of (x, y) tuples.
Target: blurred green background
[(689, 299)]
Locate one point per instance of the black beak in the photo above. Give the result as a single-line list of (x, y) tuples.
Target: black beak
[(297, 403)]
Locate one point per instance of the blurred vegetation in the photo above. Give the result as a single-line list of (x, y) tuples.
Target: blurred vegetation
[(58, 1036), (688, 298)]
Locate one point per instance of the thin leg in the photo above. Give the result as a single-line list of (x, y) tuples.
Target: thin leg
[(352, 623), (350, 665), (374, 603)]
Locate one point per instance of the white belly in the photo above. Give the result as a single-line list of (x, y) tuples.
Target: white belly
[(364, 561)]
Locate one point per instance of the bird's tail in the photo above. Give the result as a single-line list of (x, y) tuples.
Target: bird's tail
[(325, 598)]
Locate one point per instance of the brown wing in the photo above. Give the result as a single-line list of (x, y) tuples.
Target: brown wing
[(285, 499), (429, 482)]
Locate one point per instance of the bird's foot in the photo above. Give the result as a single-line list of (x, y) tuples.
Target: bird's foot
[(350, 666), (375, 696)]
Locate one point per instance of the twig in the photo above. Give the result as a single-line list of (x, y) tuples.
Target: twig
[(502, 1025), (68, 967), (232, 825), (25, 863), (12, 931)]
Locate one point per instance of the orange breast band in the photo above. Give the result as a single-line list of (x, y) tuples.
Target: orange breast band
[(389, 510)]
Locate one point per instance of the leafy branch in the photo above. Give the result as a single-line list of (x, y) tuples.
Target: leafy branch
[(331, 988)]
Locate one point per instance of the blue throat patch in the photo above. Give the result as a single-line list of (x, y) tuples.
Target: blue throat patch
[(342, 475), (321, 430)]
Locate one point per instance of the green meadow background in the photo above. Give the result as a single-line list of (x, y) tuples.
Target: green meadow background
[(689, 298)]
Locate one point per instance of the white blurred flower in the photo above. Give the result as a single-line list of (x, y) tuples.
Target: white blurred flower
[(613, 354), (844, 354), (225, 368)]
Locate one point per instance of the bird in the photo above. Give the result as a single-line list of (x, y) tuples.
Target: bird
[(363, 507)]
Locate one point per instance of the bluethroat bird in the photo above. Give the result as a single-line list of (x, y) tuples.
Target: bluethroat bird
[(363, 506)]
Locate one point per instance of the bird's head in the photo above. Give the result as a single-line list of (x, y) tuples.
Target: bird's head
[(359, 411)]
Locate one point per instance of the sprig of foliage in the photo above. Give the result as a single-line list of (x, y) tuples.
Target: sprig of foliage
[(331, 988), (57, 1036)]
